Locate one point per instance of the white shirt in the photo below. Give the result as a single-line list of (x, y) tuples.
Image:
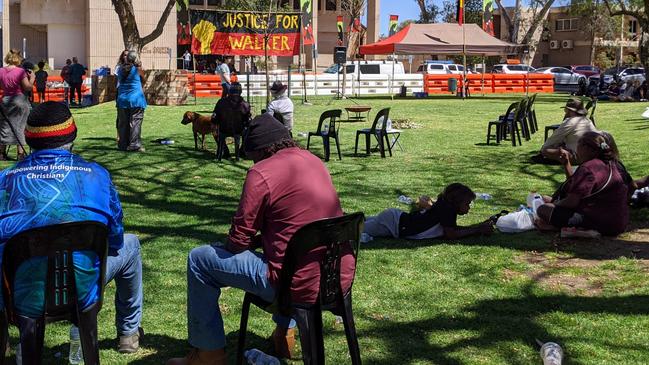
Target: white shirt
[(284, 106), (224, 71), (187, 56)]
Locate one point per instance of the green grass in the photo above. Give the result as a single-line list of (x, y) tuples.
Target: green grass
[(473, 301)]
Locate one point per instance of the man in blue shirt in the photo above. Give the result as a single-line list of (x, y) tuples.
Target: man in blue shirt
[(52, 186)]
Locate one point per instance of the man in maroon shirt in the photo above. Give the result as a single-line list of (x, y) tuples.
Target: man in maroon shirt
[(285, 189)]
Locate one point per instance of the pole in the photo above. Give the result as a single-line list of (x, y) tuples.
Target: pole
[(483, 70), (464, 87), (194, 72), (392, 78)]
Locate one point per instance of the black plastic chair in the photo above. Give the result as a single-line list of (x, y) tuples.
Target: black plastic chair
[(548, 128), (591, 106), (56, 243), (334, 235), (326, 131), (531, 114), (500, 125), (380, 134)]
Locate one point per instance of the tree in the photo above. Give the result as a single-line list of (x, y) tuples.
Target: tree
[(472, 11), (595, 21), (428, 11), (353, 9), (638, 10), (130, 31), (514, 22)]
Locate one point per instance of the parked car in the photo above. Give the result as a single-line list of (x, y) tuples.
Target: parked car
[(564, 79), (440, 68), (512, 69), (585, 70), (368, 68), (619, 73)]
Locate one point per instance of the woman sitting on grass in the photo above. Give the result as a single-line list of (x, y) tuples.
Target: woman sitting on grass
[(595, 195), (434, 220)]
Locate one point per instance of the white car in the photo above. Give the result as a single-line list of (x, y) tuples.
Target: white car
[(512, 69), (562, 75), (433, 68), (368, 68)]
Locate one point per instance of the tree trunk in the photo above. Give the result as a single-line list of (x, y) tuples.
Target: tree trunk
[(643, 45), (130, 31)]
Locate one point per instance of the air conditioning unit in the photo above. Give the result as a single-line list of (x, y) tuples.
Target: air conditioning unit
[(567, 44), (554, 44)]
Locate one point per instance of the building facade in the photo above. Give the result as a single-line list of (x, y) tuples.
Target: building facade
[(55, 30)]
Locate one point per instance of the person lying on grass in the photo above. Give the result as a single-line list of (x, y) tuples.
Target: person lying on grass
[(595, 195), (438, 219)]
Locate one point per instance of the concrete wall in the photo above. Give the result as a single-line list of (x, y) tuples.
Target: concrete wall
[(35, 35), (52, 12), (67, 40)]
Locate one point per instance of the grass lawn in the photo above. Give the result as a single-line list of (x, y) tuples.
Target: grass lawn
[(479, 300)]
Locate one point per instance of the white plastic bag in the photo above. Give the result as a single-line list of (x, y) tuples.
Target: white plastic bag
[(646, 113), (519, 221)]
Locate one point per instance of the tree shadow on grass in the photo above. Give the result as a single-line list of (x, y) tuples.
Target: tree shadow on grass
[(494, 325)]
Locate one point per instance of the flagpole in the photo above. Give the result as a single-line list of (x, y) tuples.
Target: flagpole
[(464, 86)]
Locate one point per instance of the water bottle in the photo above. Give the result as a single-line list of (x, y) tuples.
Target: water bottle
[(19, 355), (325, 129), (404, 199), (258, 357), (534, 200), (167, 141), (551, 353), (76, 354), (483, 196)]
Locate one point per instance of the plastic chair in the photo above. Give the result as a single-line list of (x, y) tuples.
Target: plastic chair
[(334, 234), (327, 131), (380, 134), (591, 106), (56, 243), (531, 114), (501, 124)]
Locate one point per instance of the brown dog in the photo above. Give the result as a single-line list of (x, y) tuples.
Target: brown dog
[(201, 124)]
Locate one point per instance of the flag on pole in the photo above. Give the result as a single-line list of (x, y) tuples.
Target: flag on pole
[(487, 16), (340, 27), (306, 8), (394, 23), (460, 12)]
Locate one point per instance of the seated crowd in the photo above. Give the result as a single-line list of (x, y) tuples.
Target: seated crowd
[(271, 209)]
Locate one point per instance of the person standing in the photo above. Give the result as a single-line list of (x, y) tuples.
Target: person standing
[(187, 60), (275, 203), (223, 71), (53, 186), (131, 104), (65, 75), (41, 81), (76, 79), (14, 82)]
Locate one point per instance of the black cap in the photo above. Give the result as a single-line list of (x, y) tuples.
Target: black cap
[(264, 131)]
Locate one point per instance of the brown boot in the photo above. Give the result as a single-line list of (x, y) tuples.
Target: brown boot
[(284, 342), (201, 357)]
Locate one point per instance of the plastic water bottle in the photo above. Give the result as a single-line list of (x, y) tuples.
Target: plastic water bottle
[(404, 199), (534, 201), (167, 141), (19, 355), (483, 196), (258, 357), (76, 353), (551, 353)]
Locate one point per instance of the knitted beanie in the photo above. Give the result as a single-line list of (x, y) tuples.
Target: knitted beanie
[(50, 125), (264, 131)]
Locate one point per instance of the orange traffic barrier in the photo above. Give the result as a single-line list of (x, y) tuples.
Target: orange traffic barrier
[(540, 83), (478, 85), (508, 83), (205, 86)]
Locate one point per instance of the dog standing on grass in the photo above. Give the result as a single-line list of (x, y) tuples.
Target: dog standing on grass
[(201, 124)]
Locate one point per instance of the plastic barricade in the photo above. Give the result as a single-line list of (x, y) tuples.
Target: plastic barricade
[(508, 83), (478, 85), (57, 92), (205, 86), (540, 83), (438, 84)]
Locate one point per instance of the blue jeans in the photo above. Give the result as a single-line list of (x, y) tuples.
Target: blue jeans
[(226, 89), (125, 266), (210, 268)]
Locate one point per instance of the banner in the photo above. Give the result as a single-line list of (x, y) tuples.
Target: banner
[(487, 16), (183, 36), (460, 12), (242, 33), (394, 23), (340, 27), (306, 6)]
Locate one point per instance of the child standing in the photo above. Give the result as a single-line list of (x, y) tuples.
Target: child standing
[(436, 220), (41, 81)]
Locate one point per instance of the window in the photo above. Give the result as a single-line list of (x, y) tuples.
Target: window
[(633, 26), (197, 2), (516, 68), (436, 67), (319, 4), (370, 69), (350, 69), (214, 2), (452, 67), (283, 3), (330, 5), (460, 68), (566, 24), (296, 5)]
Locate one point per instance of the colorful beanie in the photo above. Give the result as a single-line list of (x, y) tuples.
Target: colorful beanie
[(50, 125)]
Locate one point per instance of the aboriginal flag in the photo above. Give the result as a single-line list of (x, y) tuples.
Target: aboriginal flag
[(394, 23)]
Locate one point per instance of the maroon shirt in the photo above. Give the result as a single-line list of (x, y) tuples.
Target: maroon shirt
[(608, 210), (281, 194)]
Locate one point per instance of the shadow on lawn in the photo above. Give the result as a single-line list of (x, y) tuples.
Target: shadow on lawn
[(494, 324)]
